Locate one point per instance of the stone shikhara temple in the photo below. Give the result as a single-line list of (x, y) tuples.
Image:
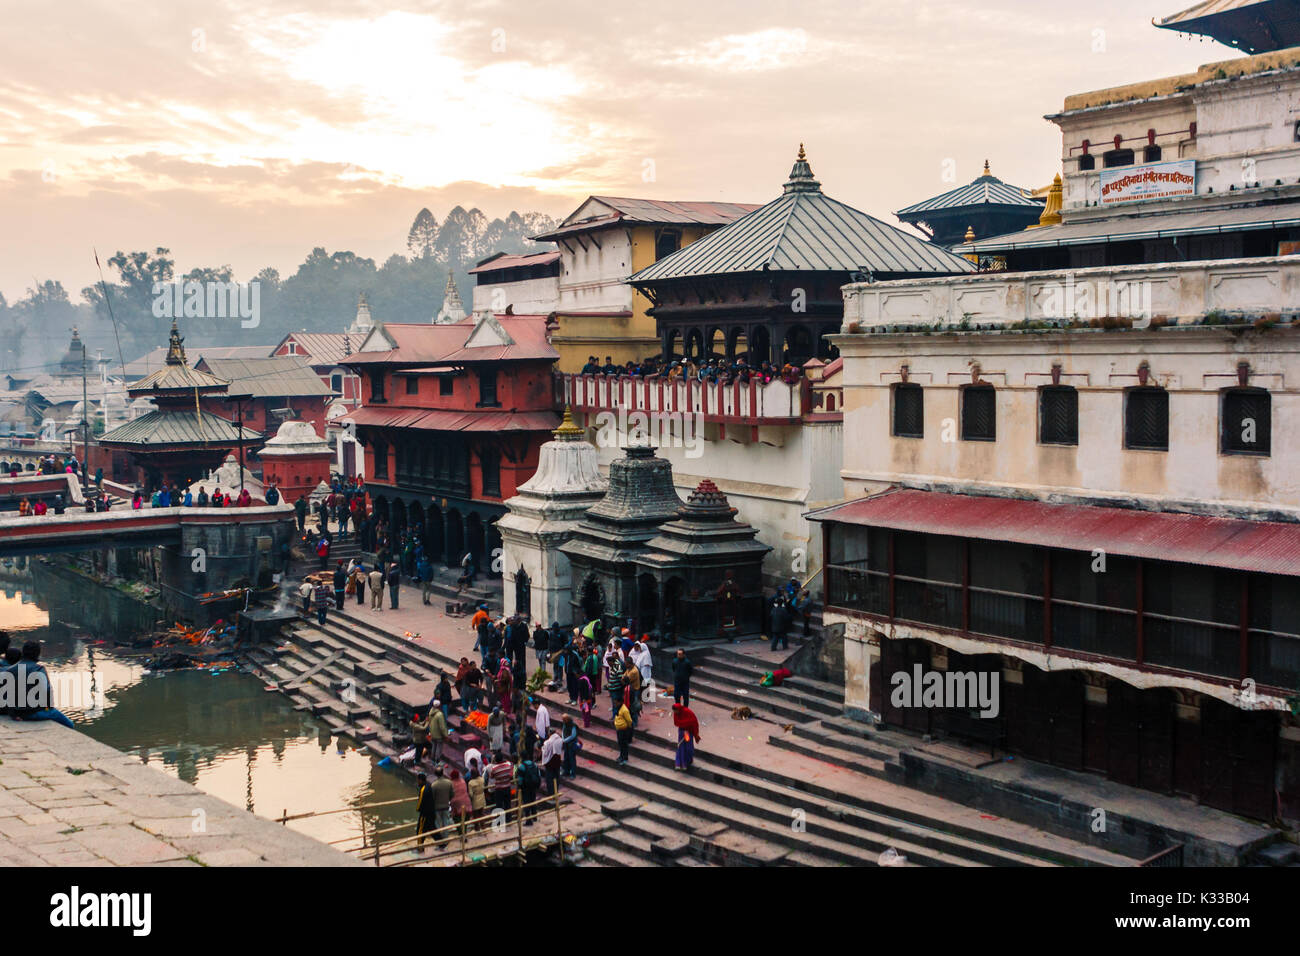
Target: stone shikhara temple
[(688, 570)]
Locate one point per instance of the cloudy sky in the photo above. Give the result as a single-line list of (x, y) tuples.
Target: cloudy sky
[(244, 133)]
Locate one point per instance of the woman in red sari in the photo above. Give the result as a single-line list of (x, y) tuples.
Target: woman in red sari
[(688, 735), (505, 687)]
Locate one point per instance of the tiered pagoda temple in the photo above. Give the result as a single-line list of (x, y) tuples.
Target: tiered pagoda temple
[(178, 442), (984, 207), (766, 287)]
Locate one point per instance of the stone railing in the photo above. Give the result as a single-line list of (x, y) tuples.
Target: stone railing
[(752, 404), (1215, 291)]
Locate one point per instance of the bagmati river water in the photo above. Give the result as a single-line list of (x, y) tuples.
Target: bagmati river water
[(221, 731)]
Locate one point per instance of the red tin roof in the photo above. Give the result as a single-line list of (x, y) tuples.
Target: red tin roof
[(1269, 547), (453, 420)]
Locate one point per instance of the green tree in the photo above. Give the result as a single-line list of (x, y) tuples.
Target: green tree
[(423, 237)]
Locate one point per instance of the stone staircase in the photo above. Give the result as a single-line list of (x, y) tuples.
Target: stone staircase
[(359, 679)]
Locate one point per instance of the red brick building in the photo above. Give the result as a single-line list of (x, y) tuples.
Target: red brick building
[(452, 419)]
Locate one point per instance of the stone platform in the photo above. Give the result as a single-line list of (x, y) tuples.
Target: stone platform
[(69, 800)]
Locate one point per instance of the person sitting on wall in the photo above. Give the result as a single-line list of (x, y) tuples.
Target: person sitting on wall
[(25, 689)]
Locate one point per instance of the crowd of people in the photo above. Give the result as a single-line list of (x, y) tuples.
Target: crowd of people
[(713, 370), (527, 751), (45, 465)]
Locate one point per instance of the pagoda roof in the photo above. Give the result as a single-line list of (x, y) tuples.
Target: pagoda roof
[(602, 212), (176, 375), (1255, 26), (166, 427), (987, 190), (804, 230)]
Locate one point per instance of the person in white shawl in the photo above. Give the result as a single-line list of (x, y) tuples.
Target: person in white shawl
[(640, 655), (543, 720)]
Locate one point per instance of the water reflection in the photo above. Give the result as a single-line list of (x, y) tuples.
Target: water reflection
[(221, 731)]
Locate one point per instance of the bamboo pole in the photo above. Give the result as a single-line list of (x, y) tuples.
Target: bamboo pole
[(519, 821), (559, 827)]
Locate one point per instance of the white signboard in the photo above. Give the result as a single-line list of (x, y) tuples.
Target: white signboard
[(1156, 181)]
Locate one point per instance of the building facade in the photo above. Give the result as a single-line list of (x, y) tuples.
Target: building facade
[(452, 419), (1077, 482), (601, 244)]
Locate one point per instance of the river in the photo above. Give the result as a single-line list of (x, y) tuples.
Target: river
[(221, 731)]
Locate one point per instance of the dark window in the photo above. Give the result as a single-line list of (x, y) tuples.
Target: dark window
[(1117, 157), (978, 413), (336, 382), (1246, 422), (909, 407), (381, 460), (491, 463), (1087, 161), (446, 384), (1058, 415), (1151, 154), (412, 385), (1146, 418), (666, 244), (376, 386), (487, 388)]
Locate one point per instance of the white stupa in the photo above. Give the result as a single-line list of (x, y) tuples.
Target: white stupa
[(453, 310), (544, 515), (363, 322), (227, 479)]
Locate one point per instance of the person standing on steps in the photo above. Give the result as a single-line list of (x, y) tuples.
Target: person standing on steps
[(623, 728), (304, 592), (614, 682), (420, 736), (501, 777), (569, 740), (688, 735), (553, 760), (299, 510), (437, 721), (682, 670), (423, 809), (322, 598), (394, 579), (377, 589), (360, 578), (340, 584)]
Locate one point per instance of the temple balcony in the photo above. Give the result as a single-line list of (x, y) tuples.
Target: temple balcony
[(775, 403)]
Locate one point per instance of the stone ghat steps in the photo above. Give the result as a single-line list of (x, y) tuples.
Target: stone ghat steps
[(720, 678), (733, 788)]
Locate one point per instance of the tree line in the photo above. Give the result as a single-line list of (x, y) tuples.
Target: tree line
[(320, 296)]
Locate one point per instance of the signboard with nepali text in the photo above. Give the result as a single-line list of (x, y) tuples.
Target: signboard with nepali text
[(1156, 181)]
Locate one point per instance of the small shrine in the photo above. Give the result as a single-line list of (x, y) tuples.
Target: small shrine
[(296, 460), (616, 530), (706, 571), (545, 515)]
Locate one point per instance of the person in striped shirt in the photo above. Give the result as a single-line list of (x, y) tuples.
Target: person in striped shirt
[(501, 778)]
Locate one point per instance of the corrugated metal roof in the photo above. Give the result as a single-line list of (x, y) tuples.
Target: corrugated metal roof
[(149, 362), (649, 211), (1269, 547), (453, 420), (806, 231), (505, 261), (1139, 226), (176, 377), (322, 348), (985, 191), (230, 352), (175, 427), (269, 377)]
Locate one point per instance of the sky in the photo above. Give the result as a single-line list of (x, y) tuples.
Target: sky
[(244, 133)]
